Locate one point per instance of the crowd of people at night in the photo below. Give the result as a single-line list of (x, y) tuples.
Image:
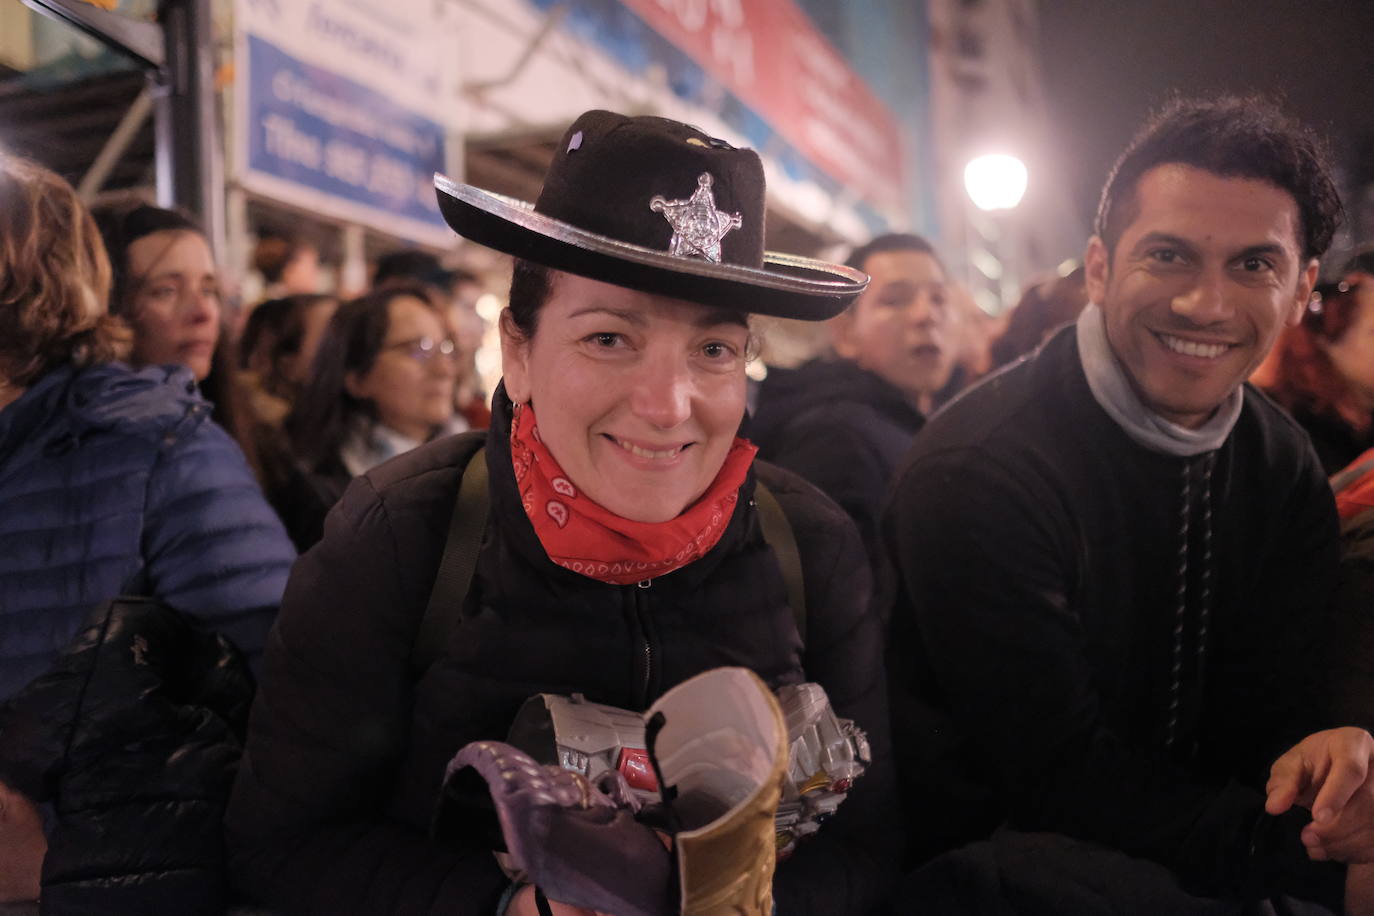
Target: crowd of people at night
[(1093, 595)]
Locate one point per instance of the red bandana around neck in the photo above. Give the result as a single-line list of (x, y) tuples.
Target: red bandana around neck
[(586, 538)]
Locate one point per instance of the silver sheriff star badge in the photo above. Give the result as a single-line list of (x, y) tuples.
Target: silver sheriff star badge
[(697, 225)]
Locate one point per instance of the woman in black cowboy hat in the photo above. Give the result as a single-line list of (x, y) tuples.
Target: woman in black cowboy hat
[(623, 552)]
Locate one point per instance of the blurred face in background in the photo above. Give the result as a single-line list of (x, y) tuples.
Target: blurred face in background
[(175, 307), (410, 384), (904, 327)]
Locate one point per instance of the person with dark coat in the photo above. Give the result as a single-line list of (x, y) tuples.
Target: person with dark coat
[(1116, 563), (844, 422), (111, 481), (623, 553), (132, 738)]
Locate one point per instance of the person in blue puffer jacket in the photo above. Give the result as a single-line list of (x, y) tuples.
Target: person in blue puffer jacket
[(117, 482), (112, 481)]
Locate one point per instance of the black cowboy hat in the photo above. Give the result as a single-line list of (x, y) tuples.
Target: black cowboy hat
[(657, 206)]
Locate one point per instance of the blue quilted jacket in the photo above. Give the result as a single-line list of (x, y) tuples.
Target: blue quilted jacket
[(117, 482)]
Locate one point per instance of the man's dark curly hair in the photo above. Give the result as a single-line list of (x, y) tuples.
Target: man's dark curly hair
[(1235, 137)]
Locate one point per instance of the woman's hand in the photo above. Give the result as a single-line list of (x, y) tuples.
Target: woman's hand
[(22, 847), (522, 904)]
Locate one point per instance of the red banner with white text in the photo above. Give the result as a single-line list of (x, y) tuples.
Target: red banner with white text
[(769, 54)]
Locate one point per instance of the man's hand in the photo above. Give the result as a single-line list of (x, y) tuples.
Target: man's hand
[(1328, 773), (22, 847)]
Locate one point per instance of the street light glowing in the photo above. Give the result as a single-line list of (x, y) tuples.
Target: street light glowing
[(995, 182)]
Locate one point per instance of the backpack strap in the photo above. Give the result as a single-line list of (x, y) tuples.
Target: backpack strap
[(451, 583), (777, 531)]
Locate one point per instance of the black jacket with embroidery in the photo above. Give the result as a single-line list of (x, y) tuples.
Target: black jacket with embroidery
[(1039, 553), (346, 751)]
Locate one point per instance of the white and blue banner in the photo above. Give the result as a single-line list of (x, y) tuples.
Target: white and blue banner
[(340, 112)]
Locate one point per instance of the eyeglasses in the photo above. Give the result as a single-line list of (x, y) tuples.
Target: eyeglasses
[(424, 349)]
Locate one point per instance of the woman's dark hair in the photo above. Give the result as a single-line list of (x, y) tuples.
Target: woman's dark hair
[(1043, 308), (531, 285), (1233, 137), (123, 223), (274, 331), (1307, 379), (264, 326), (321, 417)]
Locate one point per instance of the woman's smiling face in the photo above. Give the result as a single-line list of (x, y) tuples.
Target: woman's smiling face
[(638, 397)]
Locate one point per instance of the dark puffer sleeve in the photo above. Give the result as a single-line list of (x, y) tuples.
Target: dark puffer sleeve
[(307, 825), (827, 449), (213, 547), (847, 866)]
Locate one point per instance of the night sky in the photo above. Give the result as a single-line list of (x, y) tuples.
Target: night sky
[(1106, 64)]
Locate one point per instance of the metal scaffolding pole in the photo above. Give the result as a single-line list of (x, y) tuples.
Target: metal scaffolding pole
[(190, 161), (179, 53)]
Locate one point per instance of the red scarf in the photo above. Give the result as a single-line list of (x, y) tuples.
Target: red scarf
[(580, 535)]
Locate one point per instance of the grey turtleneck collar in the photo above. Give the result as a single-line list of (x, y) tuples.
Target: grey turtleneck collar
[(1113, 390)]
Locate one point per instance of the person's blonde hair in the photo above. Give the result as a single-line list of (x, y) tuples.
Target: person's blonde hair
[(54, 278)]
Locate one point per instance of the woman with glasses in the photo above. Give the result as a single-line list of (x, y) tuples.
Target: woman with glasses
[(382, 384), (1325, 372)]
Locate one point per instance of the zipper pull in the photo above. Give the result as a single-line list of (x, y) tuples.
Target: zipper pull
[(644, 583)]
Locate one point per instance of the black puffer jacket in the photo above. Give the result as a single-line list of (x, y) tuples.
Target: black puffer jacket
[(841, 427), (346, 751), (133, 738)]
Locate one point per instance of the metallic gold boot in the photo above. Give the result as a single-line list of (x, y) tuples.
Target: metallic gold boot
[(722, 749)]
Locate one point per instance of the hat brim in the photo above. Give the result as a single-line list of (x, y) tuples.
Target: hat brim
[(787, 286)]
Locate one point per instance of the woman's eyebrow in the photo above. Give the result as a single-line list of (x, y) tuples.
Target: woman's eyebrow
[(714, 317), (633, 316)]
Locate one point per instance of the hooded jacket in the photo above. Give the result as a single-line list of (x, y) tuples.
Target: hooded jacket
[(117, 482), (1099, 640), (840, 427), (347, 744)]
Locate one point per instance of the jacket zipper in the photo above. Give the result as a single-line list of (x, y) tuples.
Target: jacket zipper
[(646, 650)]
